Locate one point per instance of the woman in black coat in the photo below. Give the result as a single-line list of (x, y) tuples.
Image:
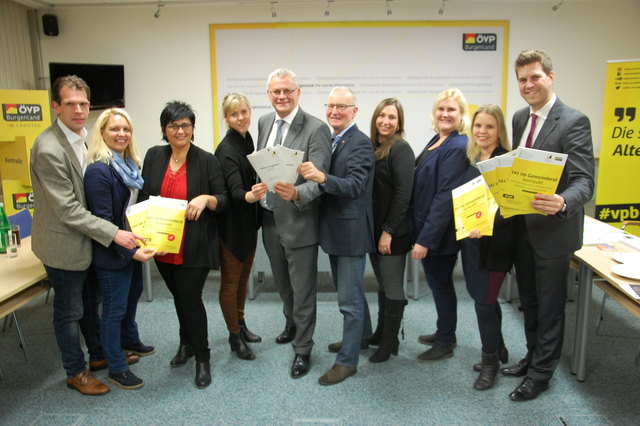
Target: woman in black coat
[(238, 225), (486, 260), (393, 183), (184, 171)]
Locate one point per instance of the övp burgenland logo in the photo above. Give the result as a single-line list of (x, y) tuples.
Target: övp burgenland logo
[(21, 112), (479, 41)]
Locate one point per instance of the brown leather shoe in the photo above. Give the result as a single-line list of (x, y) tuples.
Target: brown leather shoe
[(102, 364), (336, 374), (86, 384)]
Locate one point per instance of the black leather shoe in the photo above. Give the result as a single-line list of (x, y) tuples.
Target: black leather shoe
[(287, 335), (517, 370), (239, 346), (529, 389), (203, 374), (184, 353), (301, 366), (247, 335)]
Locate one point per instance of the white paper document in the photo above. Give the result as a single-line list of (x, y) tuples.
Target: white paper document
[(276, 164)]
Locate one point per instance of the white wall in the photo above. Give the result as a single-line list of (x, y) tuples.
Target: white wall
[(168, 58)]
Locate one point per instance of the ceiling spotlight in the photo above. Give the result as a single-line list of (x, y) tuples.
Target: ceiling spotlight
[(389, 12), (157, 14), (327, 11), (273, 9), (557, 6), (441, 11)]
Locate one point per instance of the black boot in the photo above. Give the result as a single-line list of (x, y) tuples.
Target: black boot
[(490, 367), (389, 343), (203, 374), (376, 337), (184, 353), (239, 346), (248, 335), (503, 355)]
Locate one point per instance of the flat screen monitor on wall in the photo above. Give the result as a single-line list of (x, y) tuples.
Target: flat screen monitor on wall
[(105, 81)]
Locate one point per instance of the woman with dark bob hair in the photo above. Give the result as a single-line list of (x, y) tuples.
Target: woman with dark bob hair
[(182, 170)]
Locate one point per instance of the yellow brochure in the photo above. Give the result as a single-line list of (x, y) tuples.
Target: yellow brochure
[(165, 223), (533, 171), (137, 218), (471, 208)]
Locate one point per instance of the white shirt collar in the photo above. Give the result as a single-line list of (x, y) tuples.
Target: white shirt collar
[(544, 111), (72, 136), (289, 118)]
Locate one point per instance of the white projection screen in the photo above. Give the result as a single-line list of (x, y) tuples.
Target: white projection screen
[(413, 61)]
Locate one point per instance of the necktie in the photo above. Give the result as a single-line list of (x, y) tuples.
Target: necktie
[(529, 141), (334, 143), (278, 139)]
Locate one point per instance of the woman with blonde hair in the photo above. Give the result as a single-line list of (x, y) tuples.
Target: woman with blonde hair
[(486, 260), (238, 225), (112, 182), (393, 182), (439, 169)]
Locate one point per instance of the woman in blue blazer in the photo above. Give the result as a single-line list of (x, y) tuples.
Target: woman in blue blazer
[(111, 182), (439, 169)]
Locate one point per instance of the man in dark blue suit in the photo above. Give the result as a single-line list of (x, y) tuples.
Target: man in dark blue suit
[(547, 241), (346, 223)]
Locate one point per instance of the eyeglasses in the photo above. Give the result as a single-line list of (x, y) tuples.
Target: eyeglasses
[(184, 126), (339, 107), (285, 92)]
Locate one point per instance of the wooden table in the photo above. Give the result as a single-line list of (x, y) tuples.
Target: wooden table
[(21, 280), (596, 262)]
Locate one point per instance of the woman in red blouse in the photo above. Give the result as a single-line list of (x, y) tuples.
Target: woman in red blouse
[(184, 171)]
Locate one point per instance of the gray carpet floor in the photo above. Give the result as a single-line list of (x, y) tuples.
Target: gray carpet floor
[(400, 391)]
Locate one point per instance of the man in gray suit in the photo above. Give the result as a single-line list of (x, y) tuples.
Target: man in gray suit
[(290, 219), (547, 241), (63, 228)]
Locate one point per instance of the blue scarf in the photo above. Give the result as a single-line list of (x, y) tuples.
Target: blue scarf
[(127, 170)]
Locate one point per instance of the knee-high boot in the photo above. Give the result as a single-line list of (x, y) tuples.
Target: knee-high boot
[(389, 343), (489, 369), (376, 337)]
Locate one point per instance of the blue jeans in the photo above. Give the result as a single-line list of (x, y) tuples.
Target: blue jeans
[(438, 270), (67, 312), (90, 322), (121, 289), (348, 273)]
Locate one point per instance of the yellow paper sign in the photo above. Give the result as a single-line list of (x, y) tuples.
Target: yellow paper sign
[(160, 221)]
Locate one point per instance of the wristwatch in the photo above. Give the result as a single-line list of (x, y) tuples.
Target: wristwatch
[(564, 208)]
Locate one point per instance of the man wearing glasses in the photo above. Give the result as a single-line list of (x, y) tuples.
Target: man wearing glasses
[(346, 224), (290, 219)]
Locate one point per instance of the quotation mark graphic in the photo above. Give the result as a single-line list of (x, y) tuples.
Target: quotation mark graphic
[(630, 112)]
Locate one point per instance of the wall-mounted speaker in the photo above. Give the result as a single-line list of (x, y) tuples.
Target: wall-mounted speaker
[(50, 25)]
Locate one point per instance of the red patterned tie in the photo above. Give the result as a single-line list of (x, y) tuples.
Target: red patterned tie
[(529, 141)]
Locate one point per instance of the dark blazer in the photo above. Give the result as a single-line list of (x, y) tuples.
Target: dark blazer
[(392, 189), (204, 176), (297, 222), (568, 131), (432, 210), (495, 253), (62, 227), (239, 223), (346, 216), (108, 198)]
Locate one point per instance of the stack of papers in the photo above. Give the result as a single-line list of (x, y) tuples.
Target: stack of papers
[(160, 221), (276, 164), (515, 177), (473, 208)]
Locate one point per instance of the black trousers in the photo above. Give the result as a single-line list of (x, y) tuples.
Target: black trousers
[(542, 284), (186, 284)]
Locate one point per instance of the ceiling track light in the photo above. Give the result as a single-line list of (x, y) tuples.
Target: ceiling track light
[(327, 11), (389, 11), (273, 9), (157, 14), (557, 6), (441, 11)]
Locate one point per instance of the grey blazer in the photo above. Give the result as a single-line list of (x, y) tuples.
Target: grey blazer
[(568, 131), (62, 227), (297, 222)]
